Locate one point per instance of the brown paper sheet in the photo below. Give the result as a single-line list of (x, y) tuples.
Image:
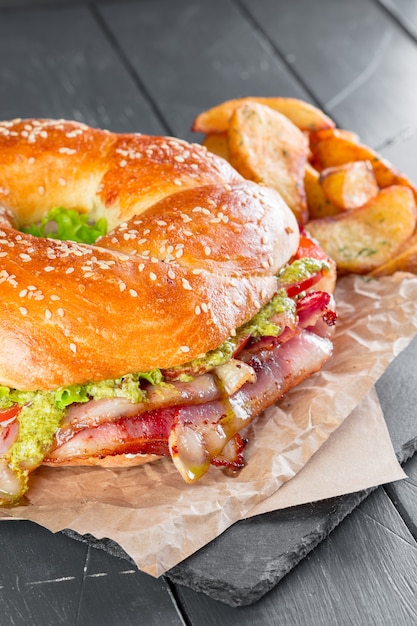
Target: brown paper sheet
[(159, 520), (359, 451)]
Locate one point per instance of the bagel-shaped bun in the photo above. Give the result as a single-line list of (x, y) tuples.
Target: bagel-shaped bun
[(192, 253)]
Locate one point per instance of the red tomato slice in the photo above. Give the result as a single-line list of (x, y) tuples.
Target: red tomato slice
[(308, 247), (8, 414)]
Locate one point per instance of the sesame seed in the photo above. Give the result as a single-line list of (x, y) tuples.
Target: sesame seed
[(185, 348), (41, 190), (152, 276), (197, 310), (23, 293), (31, 160), (186, 284), (141, 267), (69, 270), (204, 307), (233, 333), (55, 297), (65, 150), (62, 182), (48, 268), (122, 286), (25, 257), (48, 314), (73, 347), (133, 293), (23, 310), (3, 254), (207, 250), (61, 312), (171, 274)]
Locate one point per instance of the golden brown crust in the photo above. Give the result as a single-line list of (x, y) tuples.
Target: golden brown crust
[(192, 255)]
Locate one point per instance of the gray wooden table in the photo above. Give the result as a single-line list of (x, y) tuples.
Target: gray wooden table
[(151, 66)]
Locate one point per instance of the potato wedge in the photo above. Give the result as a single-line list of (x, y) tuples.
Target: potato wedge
[(350, 135), (264, 146), (217, 144), (404, 261), (331, 148), (304, 115), (317, 203), (349, 186), (362, 240)]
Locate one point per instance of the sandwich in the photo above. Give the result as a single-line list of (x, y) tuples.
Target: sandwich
[(153, 302)]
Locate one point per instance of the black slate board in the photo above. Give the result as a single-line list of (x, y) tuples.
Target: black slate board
[(364, 574)]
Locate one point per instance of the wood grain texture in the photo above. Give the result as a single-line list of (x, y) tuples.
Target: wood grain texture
[(363, 574), (192, 54), (405, 11), (404, 495), (402, 151), (40, 579), (56, 62), (115, 592), (359, 63), (48, 579)]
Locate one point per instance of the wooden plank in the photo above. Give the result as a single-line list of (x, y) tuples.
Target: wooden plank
[(405, 11), (364, 573), (404, 495), (402, 153), (192, 55), (49, 579), (359, 63), (41, 575), (115, 592), (56, 62)]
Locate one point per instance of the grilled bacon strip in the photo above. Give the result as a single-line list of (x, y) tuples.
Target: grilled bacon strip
[(194, 421)]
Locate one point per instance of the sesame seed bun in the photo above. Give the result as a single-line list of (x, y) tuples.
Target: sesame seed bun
[(192, 253)]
